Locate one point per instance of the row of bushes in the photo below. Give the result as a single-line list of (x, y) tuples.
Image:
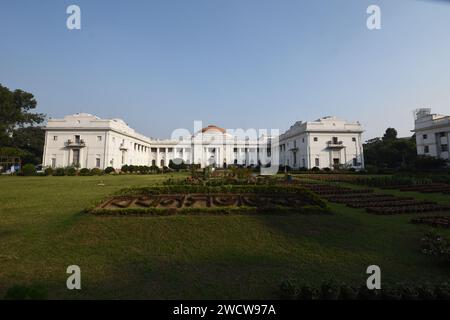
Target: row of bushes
[(241, 210), (143, 169), (395, 180), (437, 246), (30, 170), (329, 290)]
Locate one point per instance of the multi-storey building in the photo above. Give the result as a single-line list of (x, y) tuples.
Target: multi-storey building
[(87, 141), (432, 133), (328, 142)]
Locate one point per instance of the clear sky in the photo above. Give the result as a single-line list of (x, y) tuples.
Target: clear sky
[(160, 65)]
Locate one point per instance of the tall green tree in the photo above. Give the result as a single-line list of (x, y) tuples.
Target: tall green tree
[(390, 134), (19, 125), (390, 152)]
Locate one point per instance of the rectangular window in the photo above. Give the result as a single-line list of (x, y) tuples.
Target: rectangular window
[(315, 139), (99, 138), (317, 162), (355, 163), (444, 147), (53, 162), (442, 134), (426, 149), (55, 138), (235, 150), (97, 162), (77, 139), (353, 139), (425, 136), (335, 140)]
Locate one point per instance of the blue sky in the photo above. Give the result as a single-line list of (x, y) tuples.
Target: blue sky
[(160, 65)]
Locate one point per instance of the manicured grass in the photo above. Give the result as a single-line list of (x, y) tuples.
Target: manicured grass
[(42, 231)]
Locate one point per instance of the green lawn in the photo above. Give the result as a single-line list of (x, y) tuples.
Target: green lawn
[(42, 231)]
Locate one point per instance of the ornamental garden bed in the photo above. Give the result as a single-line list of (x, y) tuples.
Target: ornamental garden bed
[(424, 188), (416, 208), (375, 203), (434, 221), (170, 200)]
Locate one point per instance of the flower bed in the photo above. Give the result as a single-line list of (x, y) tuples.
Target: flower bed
[(434, 221), (374, 203), (425, 188), (173, 199), (417, 208)]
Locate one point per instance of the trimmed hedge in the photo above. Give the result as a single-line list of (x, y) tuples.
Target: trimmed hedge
[(109, 170), (242, 210), (85, 172), (28, 170), (329, 290), (307, 195)]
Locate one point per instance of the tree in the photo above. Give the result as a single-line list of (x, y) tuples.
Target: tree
[(390, 152), (17, 123), (390, 134)]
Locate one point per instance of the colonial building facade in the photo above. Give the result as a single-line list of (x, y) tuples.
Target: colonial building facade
[(432, 133), (328, 142), (86, 141)]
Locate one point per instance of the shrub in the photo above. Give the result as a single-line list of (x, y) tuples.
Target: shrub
[(289, 289), (59, 172), (408, 292), (308, 293), (435, 245), (144, 169), (391, 293), (96, 172), (85, 172), (347, 292), (442, 291), (109, 170), (426, 292), (71, 171), (365, 293), (125, 168), (29, 170), (48, 171), (329, 290), (427, 163), (21, 292), (165, 169), (154, 169)]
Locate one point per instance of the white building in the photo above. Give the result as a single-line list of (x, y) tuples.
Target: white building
[(87, 141), (432, 133), (325, 143)]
